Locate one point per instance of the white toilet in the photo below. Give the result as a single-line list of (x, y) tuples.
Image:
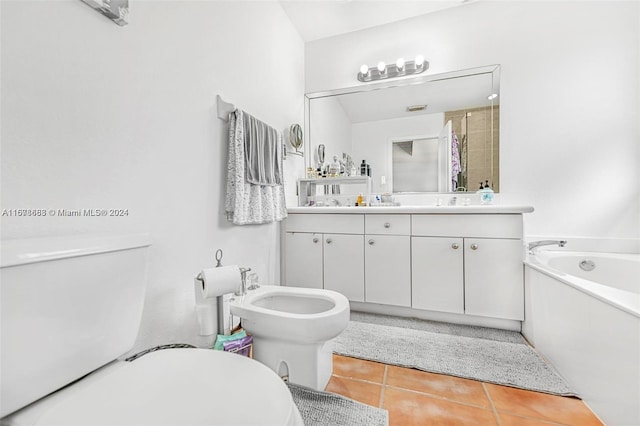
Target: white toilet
[(70, 307), (292, 329)]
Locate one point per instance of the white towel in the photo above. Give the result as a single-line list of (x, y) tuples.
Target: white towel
[(247, 203), (261, 152)]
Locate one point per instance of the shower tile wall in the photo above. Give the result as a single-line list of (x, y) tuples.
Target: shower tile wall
[(482, 132)]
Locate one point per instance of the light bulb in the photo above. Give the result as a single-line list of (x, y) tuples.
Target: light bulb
[(400, 63), (364, 69), (419, 61), (381, 66)]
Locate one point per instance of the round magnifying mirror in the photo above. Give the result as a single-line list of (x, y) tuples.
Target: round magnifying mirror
[(321, 153), (295, 136)]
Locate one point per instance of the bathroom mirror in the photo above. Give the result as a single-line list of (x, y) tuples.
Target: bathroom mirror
[(366, 121)]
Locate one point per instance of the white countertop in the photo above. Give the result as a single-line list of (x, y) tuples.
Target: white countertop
[(472, 209)]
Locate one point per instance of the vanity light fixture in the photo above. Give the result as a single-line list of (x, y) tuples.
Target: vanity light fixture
[(399, 69)]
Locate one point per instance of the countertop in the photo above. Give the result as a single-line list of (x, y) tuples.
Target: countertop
[(472, 209)]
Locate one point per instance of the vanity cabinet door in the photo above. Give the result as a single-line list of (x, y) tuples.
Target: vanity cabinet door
[(388, 269), (437, 274), (344, 265), (494, 284), (303, 260)]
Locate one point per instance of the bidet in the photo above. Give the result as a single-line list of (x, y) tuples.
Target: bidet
[(293, 326)]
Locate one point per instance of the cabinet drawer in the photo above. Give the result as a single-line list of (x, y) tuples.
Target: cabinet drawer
[(387, 224), (467, 225), (325, 223)]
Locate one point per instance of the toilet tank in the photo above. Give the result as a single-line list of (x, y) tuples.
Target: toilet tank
[(68, 306)]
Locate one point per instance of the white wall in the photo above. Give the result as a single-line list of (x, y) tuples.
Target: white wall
[(100, 116), (569, 131), (372, 139)]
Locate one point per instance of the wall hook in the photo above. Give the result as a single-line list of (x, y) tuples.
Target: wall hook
[(224, 108)]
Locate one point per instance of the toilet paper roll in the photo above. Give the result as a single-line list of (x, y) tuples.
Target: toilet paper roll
[(207, 319), (219, 281), (206, 311)]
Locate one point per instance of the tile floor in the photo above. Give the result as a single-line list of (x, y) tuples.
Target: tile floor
[(415, 397)]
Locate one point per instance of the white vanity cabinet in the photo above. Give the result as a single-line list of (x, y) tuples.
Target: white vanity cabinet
[(437, 271), (304, 251), (387, 259), (446, 263), (344, 265), (494, 278), (458, 266), (325, 251)]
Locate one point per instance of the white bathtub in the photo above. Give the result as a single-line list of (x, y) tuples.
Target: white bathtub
[(587, 324)]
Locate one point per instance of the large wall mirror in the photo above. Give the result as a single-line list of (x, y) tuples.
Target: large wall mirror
[(436, 133)]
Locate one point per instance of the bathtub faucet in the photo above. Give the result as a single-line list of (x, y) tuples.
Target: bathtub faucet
[(535, 244)]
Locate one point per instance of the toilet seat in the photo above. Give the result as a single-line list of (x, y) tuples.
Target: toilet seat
[(175, 387)]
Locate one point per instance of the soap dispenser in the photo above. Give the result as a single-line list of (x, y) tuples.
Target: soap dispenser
[(486, 193)]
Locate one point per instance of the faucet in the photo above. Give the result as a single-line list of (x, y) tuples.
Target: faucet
[(535, 244), (243, 286)]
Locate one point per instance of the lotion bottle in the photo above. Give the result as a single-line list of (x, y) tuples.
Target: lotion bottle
[(486, 193)]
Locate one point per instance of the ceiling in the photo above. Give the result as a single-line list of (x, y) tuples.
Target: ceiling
[(320, 19)]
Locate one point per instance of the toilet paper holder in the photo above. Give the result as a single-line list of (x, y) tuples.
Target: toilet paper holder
[(243, 280), (220, 300), (218, 264)]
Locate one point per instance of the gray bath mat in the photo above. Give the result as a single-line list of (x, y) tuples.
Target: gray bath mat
[(324, 408), (478, 353), (440, 327)]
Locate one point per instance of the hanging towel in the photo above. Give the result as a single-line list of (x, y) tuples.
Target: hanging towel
[(261, 143), (249, 203), (455, 161)]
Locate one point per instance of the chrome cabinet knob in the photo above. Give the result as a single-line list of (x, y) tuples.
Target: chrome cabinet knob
[(315, 239), (474, 247), (387, 225), (371, 242), (455, 246), (329, 240)]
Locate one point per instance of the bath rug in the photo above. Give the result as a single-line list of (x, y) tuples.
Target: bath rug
[(440, 327), (477, 353), (325, 408)]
